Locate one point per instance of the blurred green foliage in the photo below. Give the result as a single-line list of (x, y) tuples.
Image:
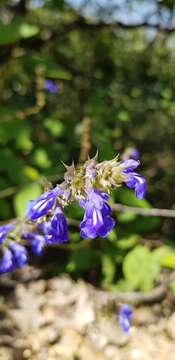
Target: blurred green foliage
[(123, 79)]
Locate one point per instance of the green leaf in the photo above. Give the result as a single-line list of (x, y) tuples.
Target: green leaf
[(18, 131), (169, 261), (55, 126), (56, 73), (141, 268), (28, 30), (108, 268), (122, 285), (126, 217), (144, 224), (4, 209), (74, 211), (123, 116), (41, 159), (128, 241), (27, 193), (81, 259), (31, 173), (9, 33), (112, 236)]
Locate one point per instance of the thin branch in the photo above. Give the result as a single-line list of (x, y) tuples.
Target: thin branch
[(157, 294), (82, 23), (85, 139), (144, 212), (134, 297)]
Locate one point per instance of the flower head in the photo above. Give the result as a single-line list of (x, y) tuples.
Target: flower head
[(4, 229), (19, 254), (6, 263), (13, 257), (36, 240), (137, 182), (40, 206), (131, 153), (132, 179), (57, 231), (124, 317), (97, 220)]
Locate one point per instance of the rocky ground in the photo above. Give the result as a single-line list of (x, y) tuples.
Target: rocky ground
[(59, 319)]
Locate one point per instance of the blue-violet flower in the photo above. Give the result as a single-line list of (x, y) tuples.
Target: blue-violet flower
[(19, 254), (50, 86), (97, 220), (133, 179), (57, 232), (4, 229), (40, 206), (6, 263), (131, 153), (36, 240), (124, 317)]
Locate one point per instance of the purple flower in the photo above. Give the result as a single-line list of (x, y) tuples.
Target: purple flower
[(97, 220), (38, 244), (13, 257), (4, 229), (131, 153), (37, 241), (19, 254), (49, 232), (6, 263), (56, 231), (41, 205), (124, 317), (129, 165), (132, 179), (137, 182), (134, 153), (50, 86)]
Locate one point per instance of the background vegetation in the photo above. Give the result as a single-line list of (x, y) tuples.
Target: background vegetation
[(113, 64)]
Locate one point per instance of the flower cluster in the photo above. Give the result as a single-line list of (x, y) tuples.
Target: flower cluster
[(45, 223), (13, 256)]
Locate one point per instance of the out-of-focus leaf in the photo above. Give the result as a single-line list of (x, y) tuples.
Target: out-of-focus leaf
[(27, 193), (168, 260), (55, 126), (127, 197), (122, 285), (123, 116), (81, 259), (56, 73), (112, 236), (31, 173), (74, 211), (140, 268), (128, 241), (41, 159), (9, 33), (28, 30), (5, 212), (12, 166), (108, 268), (18, 131), (144, 224), (126, 217)]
